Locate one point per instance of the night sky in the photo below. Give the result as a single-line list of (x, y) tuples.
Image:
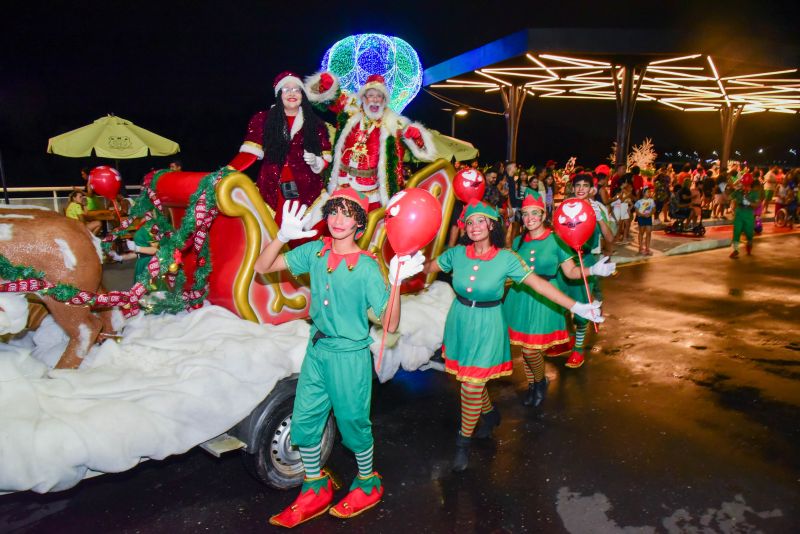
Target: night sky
[(196, 71)]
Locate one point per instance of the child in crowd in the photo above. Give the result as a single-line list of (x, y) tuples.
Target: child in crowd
[(622, 203), (644, 209)]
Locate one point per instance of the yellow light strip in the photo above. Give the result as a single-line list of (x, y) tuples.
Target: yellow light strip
[(670, 105), (662, 61), (493, 78), (550, 72), (744, 76), (719, 82), (574, 61), (776, 110), (701, 109), (451, 80)]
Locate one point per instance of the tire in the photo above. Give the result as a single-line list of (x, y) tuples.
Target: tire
[(274, 461)]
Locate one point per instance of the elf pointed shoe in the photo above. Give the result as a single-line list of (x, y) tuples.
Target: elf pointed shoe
[(575, 360), (560, 350), (461, 459), (487, 422), (315, 498), (365, 492)]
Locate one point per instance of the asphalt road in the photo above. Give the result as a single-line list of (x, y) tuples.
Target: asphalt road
[(686, 418)]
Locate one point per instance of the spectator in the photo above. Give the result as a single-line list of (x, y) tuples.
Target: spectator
[(644, 208), (175, 165), (549, 195), (696, 215), (770, 185), (622, 204), (76, 209), (637, 181), (492, 196), (661, 196), (514, 201), (92, 201)]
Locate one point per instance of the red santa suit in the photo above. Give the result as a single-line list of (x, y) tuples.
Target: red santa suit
[(368, 153), (293, 174)]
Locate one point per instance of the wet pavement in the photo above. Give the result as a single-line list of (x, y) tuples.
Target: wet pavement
[(686, 418)]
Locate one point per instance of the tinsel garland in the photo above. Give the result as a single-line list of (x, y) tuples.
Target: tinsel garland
[(166, 263), (391, 166)]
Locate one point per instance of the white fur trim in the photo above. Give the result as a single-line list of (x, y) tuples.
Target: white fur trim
[(297, 124), (13, 313), (333, 183), (382, 157), (373, 85), (428, 150), (6, 232), (252, 149), (70, 261), (314, 95), (286, 80)]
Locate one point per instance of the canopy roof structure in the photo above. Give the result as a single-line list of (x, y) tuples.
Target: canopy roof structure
[(665, 68)]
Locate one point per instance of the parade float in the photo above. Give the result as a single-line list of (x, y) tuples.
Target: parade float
[(201, 350)]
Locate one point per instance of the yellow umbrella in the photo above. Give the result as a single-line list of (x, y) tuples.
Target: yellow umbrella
[(449, 147), (111, 137)]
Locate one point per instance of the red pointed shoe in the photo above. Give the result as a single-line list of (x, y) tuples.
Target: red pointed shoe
[(560, 350), (575, 360), (315, 499), (364, 494)]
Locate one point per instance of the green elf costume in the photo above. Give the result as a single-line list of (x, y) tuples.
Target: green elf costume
[(534, 322), (337, 370), (476, 344), (744, 219), (591, 252)]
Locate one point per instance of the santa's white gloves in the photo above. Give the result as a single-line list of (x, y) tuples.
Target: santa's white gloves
[(133, 247), (408, 266), (604, 267), (294, 216), (590, 312), (315, 162)]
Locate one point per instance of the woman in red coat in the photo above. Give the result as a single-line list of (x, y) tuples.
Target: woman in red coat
[(294, 144)]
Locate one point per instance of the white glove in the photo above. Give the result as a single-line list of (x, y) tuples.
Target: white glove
[(590, 312), (114, 256), (315, 162), (292, 223), (604, 267), (407, 265), (133, 247)]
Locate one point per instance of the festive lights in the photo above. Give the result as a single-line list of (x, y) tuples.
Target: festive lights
[(355, 58), (687, 83)]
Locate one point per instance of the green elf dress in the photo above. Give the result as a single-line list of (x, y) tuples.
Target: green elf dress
[(476, 345), (535, 322)]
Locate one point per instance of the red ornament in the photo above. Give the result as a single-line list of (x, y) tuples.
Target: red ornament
[(469, 184), (413, 218), (106, 181), (201, 262), (574, 222)]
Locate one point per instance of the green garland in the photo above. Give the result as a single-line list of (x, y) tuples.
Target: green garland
[(10, 272), (391, 165)]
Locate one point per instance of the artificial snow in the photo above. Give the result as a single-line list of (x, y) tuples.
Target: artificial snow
[(173, 382), (13, 312), (6, 232)]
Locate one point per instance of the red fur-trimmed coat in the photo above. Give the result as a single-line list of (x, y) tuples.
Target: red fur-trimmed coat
[(309, 184)]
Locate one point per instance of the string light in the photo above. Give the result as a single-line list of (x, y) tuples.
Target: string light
[(353, 59)]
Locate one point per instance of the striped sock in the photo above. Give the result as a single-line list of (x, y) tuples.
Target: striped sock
[(486, 402), (534, 361), (526, 366), (471, 402), (311, 457), (364, 461), (580, 334)]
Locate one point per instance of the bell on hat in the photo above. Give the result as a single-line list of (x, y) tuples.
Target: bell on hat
[(285, 77)]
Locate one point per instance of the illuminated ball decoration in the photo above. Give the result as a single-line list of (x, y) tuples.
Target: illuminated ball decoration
[(356, 57)]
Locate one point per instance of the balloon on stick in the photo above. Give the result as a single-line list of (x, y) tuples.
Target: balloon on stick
[(469, 184), (574, 222), (106, 181), (413, 218)]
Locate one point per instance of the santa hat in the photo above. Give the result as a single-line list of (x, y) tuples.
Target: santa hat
[(602, 169), (285, 77), (352, 195), (374, 81), (551, 163), (533, 200)]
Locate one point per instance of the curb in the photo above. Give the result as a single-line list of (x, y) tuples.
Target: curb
[(697, 246)]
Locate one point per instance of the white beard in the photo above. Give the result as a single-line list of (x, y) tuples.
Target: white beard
[(373, 116)]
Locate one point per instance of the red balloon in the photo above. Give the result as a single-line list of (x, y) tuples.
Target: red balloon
[(469, 184), (413, 218), (106, 181), (574, 222)]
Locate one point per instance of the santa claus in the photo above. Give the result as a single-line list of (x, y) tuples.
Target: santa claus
[(370, 139), (293, 142)]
